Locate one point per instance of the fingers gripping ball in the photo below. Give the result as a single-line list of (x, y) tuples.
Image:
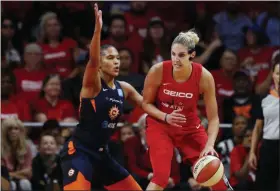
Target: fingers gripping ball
[(208, 170)]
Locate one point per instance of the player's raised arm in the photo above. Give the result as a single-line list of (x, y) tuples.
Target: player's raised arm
[(91, 80)]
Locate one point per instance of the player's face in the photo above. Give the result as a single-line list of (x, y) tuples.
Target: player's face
[(126, 132), (52, 28), (239, 125), (228, 61), (53, 87), (179, 56), (275, 74), (48, 145), (125, 59), (110, 64)]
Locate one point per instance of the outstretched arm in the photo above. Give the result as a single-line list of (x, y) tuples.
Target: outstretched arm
[(207, 85), (91, 81), (131, 94)]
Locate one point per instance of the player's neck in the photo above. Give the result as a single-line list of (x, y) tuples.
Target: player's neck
[(109, 81)]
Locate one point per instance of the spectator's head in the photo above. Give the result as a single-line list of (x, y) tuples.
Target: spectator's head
[(117, 27), (13, 138), (53, 128), (183, 48), (254, 36), (126, 132), (47, 145), (240, 123), (7, 28), (33, 56), (8, 83), (126, 59), (50, 27), (229, 61), (242, 84), (51, 86), (247, 138), (275, 75), (110, 61), (233, 7), (138, 7), (155, 29)]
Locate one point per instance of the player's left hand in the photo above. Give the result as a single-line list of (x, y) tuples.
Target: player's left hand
[(208, 150)]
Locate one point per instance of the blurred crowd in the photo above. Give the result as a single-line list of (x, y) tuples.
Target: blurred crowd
[(44, 51)]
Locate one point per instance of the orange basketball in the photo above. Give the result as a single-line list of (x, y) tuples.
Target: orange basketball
[(208, 170)]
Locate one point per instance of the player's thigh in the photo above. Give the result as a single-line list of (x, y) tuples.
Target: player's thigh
[(114, 176), (77, 171), (159, 143), (191, 145)]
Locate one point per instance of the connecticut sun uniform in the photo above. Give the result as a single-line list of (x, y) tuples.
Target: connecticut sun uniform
[(86, 153)]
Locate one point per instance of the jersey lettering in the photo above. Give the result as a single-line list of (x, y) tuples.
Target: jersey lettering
[(178, 94)]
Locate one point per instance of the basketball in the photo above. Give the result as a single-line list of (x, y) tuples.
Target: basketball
[(208, 170)]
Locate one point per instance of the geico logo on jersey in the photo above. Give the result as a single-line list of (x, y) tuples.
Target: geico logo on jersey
[(178, 94)]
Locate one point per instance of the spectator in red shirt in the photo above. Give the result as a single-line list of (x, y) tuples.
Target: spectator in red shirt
[(264, 80), (255, 56), (155, 45), (16, 153), (224, 148), (242, 177), (224, 77), (60, 52), (138, 17), (12, 105), (50, 106), (119, 38), (138, 160), (30, 78)]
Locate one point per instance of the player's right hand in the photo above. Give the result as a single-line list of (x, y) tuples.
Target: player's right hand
[(253, 161), (98, 18), (175, 118)]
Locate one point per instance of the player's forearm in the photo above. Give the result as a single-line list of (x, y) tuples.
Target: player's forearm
[(213, 129), (151, 110), (95, 49)]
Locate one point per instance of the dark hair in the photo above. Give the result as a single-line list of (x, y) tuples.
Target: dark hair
[(129, 51), (50, 124), (46, 134), (105, 47), (45, 81), (7, 72), (117, 17)]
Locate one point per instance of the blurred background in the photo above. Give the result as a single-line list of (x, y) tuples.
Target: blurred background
[(44, 50)]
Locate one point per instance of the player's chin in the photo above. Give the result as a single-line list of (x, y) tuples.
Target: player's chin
[(114, 73)]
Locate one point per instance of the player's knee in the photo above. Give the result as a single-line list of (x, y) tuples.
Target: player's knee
[(161, 179)]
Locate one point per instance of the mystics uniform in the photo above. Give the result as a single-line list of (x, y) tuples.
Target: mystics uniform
[(162, 138), (86, 153)]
